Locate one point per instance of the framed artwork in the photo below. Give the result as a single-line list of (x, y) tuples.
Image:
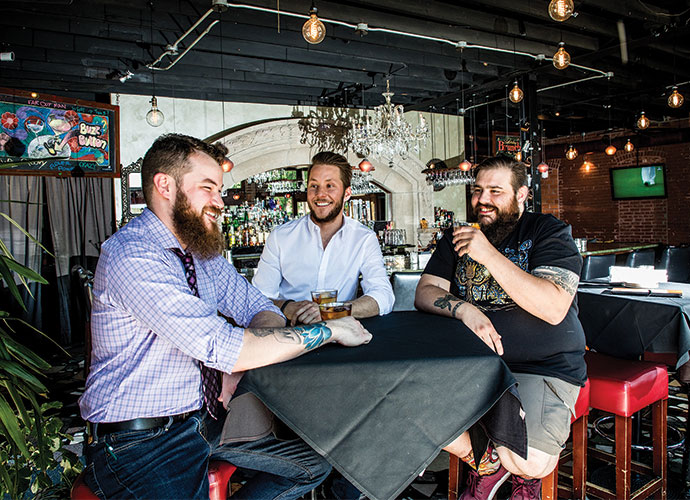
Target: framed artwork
[(43, 134)]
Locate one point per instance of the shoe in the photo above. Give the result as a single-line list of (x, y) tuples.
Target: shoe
[(526, 489), (483, 487)]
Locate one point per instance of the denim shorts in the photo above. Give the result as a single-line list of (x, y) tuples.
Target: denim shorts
[(548, 403)]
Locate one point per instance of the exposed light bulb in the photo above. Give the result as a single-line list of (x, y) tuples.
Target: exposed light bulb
[(561, 59), (629, 146), (676, 99), (465, 165), (518, 156), (313, 29), (642, 121), (587, 165), (543, 169), (365, 166), (227, 165), (571, 154), (155, 116), (561, 10), (516, 94), (610, 150)]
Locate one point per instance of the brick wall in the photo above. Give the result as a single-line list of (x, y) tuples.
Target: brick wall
[(583, 199)]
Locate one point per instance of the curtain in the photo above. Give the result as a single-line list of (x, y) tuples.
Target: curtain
[(81, 219), (21, 197)]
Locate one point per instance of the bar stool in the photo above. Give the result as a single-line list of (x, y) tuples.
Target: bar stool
[(549, 487), (578, 423), (624, 387), (219, 474)]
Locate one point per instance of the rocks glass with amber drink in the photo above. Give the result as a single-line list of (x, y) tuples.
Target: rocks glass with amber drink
[(324, 296), (335, 310)]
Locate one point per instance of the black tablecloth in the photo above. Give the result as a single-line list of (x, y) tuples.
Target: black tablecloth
[(380, 413), (627, 326)]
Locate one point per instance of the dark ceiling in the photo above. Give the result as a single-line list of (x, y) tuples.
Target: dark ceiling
[(78, 48)]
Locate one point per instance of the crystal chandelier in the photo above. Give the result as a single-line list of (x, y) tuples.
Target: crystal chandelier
[(388, 134)]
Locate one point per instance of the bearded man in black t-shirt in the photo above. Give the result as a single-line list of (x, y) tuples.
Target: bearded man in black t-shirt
[(512, 282)]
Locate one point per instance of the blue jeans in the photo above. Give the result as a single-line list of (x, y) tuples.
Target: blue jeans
[(172, 462)]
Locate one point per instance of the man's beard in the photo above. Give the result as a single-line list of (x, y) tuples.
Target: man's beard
[(330, 215), (191, 229), (505, 222)]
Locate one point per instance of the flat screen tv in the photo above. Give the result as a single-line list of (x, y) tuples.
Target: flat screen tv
[(633, 183)]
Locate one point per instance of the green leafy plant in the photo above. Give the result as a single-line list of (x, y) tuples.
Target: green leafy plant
[(29, 436)]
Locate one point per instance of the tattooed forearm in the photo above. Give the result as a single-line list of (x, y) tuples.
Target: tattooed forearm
[(311, 336), (567, 280), (445, 302)]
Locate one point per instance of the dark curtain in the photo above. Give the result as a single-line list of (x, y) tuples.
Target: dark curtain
[(81, 219)]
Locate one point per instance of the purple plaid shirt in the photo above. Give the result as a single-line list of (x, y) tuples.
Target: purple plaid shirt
[(149, 331)]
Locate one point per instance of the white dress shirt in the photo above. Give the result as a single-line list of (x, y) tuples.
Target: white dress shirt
[(294, 263)]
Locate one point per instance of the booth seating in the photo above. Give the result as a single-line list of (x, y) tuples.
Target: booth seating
[(404, 286), (219, 474), (597, 266), (624, 387), (578, 423), (676, 261), (638, 258)]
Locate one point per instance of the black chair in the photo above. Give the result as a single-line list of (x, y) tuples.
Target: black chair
[(676, 261), (84, 278), (597, 266), (404, 287), (638, 258)]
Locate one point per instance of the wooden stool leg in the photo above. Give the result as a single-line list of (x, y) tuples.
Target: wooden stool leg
[(659, 435), (454, 476), (623, 457), (579, 433), (549, 486)]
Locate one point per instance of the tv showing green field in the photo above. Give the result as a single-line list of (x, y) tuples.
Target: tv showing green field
[(630, 183)]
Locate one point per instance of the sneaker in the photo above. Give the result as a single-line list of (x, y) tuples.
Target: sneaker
[(526, 489), (483, 487)]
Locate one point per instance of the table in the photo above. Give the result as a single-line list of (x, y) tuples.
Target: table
[(615, 248), (627, 326), (380, 413)]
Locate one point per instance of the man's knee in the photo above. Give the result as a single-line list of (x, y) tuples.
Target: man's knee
[(537, 465)]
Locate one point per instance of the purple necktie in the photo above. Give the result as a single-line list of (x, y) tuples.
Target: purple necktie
[(210, 377)]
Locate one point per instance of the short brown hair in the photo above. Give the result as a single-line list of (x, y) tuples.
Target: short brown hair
[(335, 159), (518, 169), (169, 155)]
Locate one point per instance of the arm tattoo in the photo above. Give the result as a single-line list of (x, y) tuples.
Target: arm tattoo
[(567, 280), (445, 303), (311, 336)]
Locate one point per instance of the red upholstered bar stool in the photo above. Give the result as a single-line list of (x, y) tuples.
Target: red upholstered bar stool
[(623, 388), (578, 424), (219, 474)]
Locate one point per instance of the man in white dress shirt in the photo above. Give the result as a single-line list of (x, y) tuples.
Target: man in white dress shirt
[(324, 251)]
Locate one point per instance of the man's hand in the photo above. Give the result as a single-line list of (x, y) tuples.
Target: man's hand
[(470, 241), (303, 312), (348, 332), (230, 381), (481, 325)]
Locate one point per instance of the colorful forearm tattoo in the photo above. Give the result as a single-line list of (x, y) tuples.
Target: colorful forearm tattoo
[(311, 336)]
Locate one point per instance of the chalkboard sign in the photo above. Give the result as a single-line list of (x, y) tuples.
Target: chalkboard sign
[(48, 135)]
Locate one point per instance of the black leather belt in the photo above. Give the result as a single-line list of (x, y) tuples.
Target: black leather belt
[(138, 424)]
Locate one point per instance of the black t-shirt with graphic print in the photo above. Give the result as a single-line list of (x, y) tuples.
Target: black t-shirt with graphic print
[(530, 344)]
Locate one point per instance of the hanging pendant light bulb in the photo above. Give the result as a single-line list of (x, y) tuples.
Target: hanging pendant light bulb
[(676, 99), (365, 166), (543, 169), (465, 165), (516, 94), (610, 150), (629, 146), (571, 154), (561, 10), (313, 30), (155, 116), (518, 155), (561, 59), (642, 121)]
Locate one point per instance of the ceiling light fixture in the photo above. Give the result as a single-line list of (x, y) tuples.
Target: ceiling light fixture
[(676, 99), (587, 165), (610, 150), (227, 165), (642, 121), (155, 116), (516, 94), (313, 29), (561, 59), (543, 169), (629, 146), (571, 153), (561, 10)]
